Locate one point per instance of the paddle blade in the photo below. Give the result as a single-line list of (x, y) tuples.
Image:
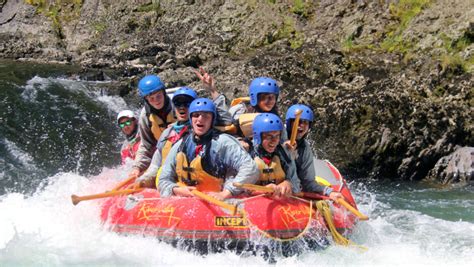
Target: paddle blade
[(348, 206), (75, 199)]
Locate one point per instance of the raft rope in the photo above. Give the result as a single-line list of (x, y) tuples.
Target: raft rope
[(323, 208), (268, 235)]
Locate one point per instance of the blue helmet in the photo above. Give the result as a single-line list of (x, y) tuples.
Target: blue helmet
[(306, 115), (150, 84), (186, 92), (202, 104), (265, 122), (262, 85)]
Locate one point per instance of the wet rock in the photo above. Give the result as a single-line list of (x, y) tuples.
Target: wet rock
[(390, 101), (455, 168)]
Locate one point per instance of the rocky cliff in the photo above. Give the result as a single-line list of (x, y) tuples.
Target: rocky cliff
[(390, 81)]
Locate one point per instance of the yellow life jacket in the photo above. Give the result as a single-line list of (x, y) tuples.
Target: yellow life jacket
[(246, 122), (158, 125), (229, 129), (273, 174), (165, 150), (194, 175)]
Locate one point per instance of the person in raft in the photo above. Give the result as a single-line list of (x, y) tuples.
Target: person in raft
[(128, 124), (276, 167), (223, 116), (154, 118), (263, 94), (304, 154), (206, 160), (181, 100)]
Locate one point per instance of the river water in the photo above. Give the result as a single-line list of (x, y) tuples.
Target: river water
[(58, 137)]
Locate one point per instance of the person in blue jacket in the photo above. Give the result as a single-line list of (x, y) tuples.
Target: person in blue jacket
[(206, 160), (304, 154), (276, 167)]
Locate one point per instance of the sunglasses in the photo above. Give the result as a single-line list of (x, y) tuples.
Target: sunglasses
[(179, 104), (270, 138), (125, 123)]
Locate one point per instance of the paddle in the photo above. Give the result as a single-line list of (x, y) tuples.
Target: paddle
[(212, 200), (340, 201), (232, 208), (76, 199), (294, 128), (124, 182)]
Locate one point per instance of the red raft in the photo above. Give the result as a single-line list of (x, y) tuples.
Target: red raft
[(196, 223)]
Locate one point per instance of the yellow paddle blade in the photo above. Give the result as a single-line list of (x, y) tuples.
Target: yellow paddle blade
[(294, 129), (320, 180)]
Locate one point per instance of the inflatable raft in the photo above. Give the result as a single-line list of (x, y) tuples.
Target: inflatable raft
[(260, 221)]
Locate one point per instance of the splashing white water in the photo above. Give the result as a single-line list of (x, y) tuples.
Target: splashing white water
[(89, 88), (46, 229), (24, 158)]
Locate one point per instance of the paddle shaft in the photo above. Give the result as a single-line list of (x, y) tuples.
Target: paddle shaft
[(340, 201), (124, 182), (76, 199), (212, 200), (294, 128)]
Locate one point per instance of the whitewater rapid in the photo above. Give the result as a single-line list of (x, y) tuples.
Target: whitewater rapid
[(45, 229)]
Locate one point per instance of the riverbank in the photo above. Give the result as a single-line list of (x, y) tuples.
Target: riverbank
[(391, 83)]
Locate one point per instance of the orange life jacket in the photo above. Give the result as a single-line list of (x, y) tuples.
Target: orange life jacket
[(272, 173), (194, 175), (158, 125), (243, 99)]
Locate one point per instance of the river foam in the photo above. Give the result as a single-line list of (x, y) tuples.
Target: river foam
[(45, 229)]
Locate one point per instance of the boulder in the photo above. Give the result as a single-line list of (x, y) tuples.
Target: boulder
[(455, 168)]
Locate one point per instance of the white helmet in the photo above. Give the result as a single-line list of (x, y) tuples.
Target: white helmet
[(125, 113)]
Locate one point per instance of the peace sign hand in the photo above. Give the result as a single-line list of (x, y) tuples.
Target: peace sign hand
[(208, 82)]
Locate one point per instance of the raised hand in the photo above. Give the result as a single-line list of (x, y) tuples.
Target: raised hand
[(207, 81)]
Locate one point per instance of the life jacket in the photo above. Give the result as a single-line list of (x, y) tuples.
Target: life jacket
[(158, 125), (171, 139), (272, 173), (246, 122), (243, 99), (193, 174), (228, 129), (130, 150)]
